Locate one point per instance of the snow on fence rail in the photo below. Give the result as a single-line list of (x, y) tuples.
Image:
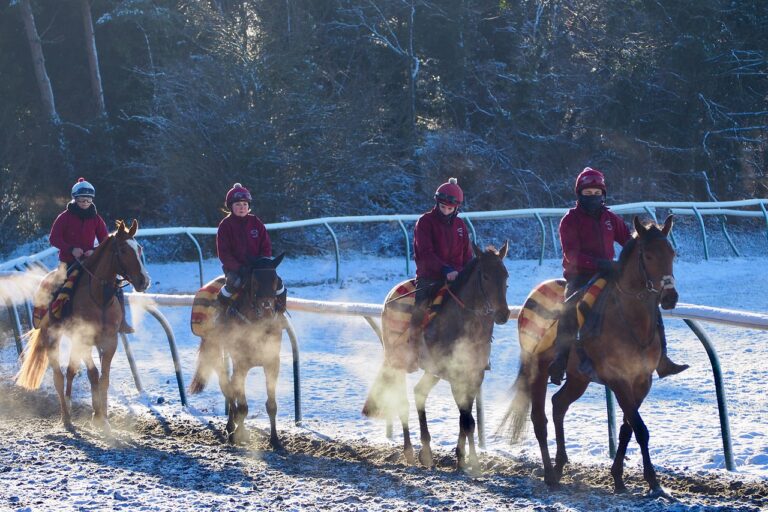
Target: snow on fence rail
[(697, 209)]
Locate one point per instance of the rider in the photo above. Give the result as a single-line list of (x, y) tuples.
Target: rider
[(74, 231), (441, 249), (587, 235), (241, 238)]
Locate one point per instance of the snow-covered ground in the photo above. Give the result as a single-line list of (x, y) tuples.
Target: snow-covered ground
[(340, 357)]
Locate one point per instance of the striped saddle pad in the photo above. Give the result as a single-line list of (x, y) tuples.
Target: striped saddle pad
[(205, 307), (396, 323), (537, 323), (52, 297)]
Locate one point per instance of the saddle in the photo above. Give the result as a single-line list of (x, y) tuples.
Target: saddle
[(537, 323), (53, 297), (206, 307), (396, 322)]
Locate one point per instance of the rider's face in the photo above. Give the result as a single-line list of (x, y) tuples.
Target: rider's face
[(594, 191), (240, 208), (84, 202), (446, 209)]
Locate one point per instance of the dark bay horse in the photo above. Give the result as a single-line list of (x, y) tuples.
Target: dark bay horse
[(624, 355), (251, 339), (95, 318), (457, 348)]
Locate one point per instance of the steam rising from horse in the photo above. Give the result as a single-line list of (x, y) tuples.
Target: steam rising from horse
[(95, 319), (249, 340), (457, 348)]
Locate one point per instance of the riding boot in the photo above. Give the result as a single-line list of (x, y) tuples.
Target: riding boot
[(226, 302), (125, 327), (417, 321), (566, 331), (666, 366)]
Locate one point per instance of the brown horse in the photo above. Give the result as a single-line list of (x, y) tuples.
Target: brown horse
[(250, 339), (96, 316), (624, 355), (457, 347)]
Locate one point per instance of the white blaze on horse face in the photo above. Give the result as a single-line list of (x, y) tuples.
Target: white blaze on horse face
[(133, 244), (668, 282)]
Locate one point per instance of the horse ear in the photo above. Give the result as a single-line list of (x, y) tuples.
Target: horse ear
[(638, 225), (504, 249), (477, 250), (276, 261), (133, 228), (668, 225), (119, 225)]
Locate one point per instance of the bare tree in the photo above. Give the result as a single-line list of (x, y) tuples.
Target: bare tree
[(38, 61), (93, 58)]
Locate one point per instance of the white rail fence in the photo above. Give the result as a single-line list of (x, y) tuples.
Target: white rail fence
[(755, 208)]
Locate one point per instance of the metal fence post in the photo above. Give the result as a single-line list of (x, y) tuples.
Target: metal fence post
[(152, 310), (407, 248), (543, 237), (703, 231), (199, 256), (722, 407), (297, 419), (335, 248)]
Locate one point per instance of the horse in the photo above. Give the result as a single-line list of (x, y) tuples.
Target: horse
[(457, 346), (251, 338), (624, 354), (95, 318)]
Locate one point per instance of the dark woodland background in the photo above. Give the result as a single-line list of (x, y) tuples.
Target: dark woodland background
[(350, 107)]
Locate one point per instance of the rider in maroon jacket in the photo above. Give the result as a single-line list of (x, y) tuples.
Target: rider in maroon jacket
[(241, 238), (75, 233), (587, 235), (441, 249)]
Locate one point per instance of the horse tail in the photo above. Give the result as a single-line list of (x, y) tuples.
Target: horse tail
[(387, 393), (34, 360), (208, 357), (513, 423)]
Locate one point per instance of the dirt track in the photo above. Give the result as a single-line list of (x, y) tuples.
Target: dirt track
[(156, 463)]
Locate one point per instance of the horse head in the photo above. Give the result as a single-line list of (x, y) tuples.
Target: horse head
[(655, 260), (492, 279), (262, 288), (127, 254)]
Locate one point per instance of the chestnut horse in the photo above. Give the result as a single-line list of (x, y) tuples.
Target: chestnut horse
[(96, 316), (457, 347), (249, 339), (624, 355)]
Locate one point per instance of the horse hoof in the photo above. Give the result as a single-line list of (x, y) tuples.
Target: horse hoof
[(659, 492), (620, 489), (276, 445), (409, 458), (425, 458)]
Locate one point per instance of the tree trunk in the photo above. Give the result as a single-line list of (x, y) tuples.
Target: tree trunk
[(93, 58), (38, 61)]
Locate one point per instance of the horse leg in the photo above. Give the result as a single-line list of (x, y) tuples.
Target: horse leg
[(238, 406), (93, 378), (400, 394), (464, 395), (58, 383), (571, 391), (539, 419), (106, 353), (617, 469), (643, 436), (422, 389), (71, 372), (271, 371)]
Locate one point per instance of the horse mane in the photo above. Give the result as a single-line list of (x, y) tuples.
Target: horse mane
[(463, 276)]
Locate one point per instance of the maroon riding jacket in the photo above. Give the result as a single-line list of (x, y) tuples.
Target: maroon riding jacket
[(241, 238), (586, 239), (70, 231), (440, 243)]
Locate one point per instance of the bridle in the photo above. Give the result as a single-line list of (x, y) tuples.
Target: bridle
[(666, 282)]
